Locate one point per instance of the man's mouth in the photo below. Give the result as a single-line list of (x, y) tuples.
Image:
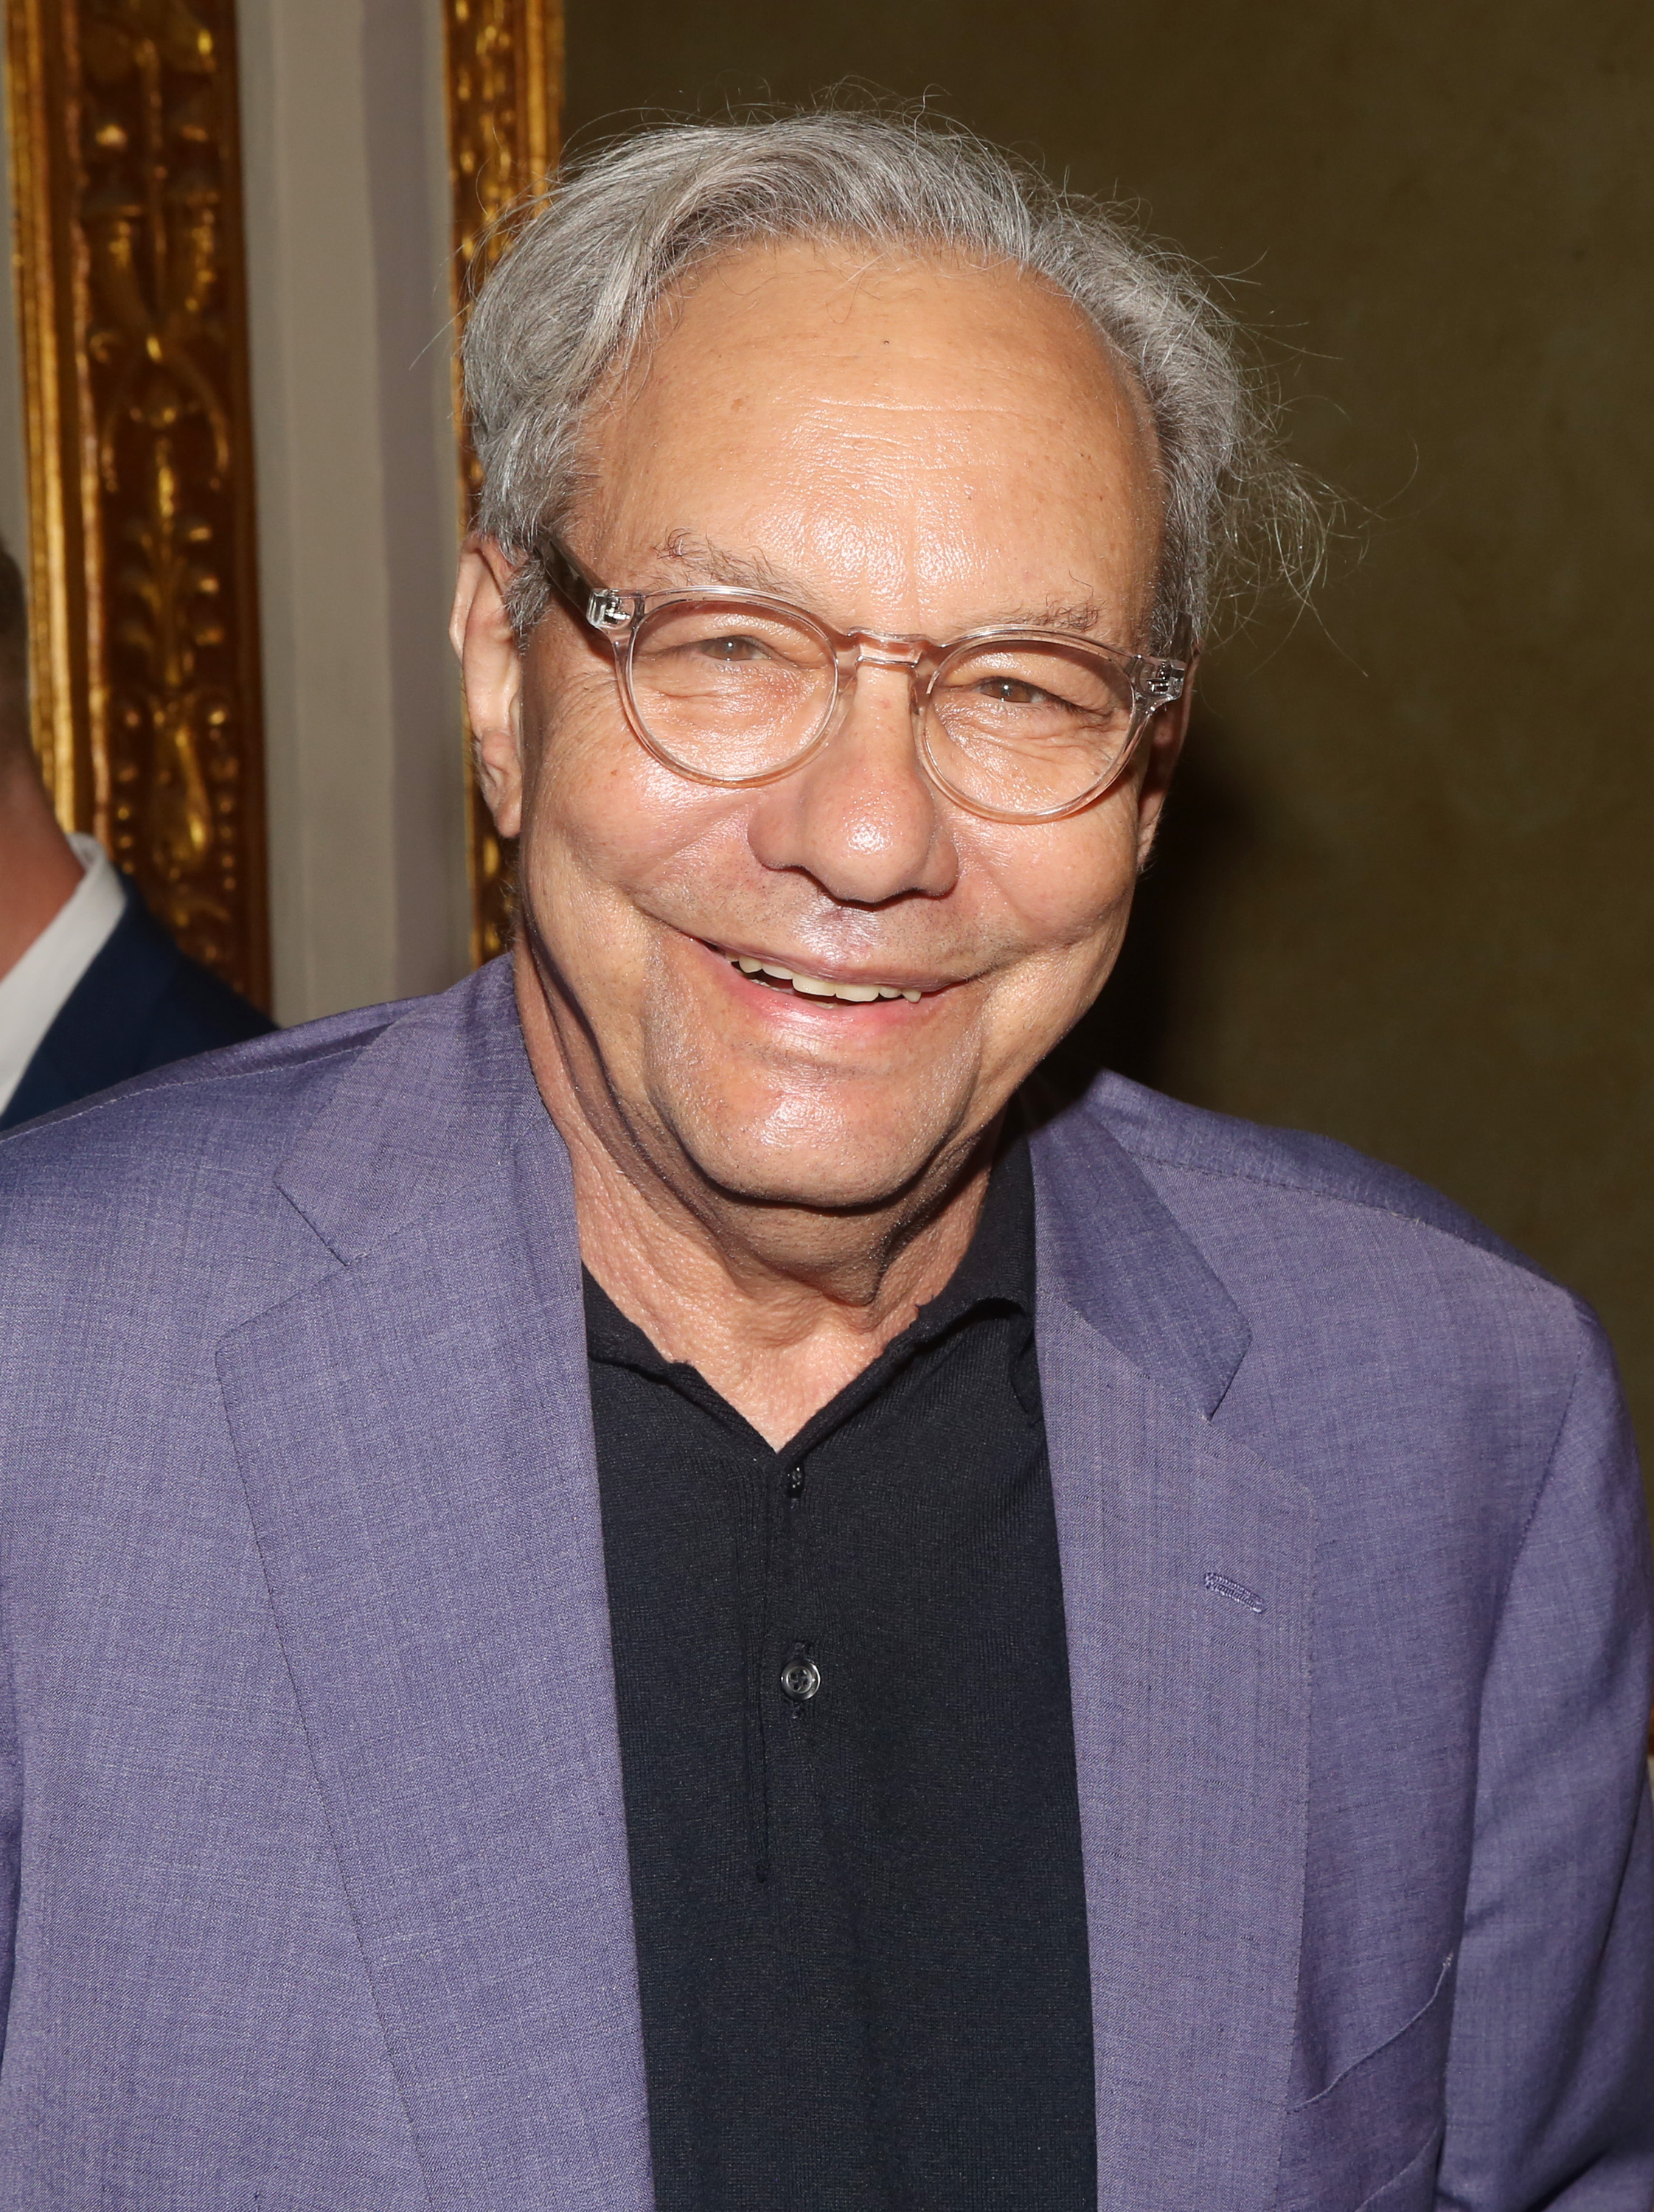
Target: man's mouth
[(778, 978)]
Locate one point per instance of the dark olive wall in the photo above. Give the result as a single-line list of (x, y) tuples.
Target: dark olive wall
[(1405, 897)]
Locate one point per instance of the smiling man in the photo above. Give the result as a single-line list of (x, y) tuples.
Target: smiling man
[(653, 1582)]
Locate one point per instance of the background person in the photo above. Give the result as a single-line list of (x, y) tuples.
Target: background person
[(92, 988)]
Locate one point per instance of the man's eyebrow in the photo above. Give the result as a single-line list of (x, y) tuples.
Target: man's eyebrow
[(1055, 614), (707, 562), (743, 572)]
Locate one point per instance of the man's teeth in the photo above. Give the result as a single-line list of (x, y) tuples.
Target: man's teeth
[(813, 988)]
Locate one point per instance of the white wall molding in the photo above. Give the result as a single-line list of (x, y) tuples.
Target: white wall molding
[(345, 175)]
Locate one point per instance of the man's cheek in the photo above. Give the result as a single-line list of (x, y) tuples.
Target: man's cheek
[(1067, 883), (635, 830), (1094, 915)]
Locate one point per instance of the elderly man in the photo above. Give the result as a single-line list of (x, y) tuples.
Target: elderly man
[(651, 1581)]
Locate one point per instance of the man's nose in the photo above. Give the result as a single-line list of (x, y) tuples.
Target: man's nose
[(860, 815)]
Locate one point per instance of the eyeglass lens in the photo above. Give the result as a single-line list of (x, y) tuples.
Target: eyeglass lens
[(735, 691)]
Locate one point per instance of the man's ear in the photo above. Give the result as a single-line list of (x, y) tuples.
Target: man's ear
[(491, 660), (1162, 749)]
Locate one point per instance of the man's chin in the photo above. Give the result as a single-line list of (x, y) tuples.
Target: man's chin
[(847, 1171)]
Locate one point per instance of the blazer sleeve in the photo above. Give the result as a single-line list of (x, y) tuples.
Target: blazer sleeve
[(1551, 2069)]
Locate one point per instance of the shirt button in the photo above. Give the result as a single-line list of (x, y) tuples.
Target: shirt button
[(800, 1679)]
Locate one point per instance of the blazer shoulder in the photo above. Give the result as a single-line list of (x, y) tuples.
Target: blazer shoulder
[(1163, 1132), (240, 1107)]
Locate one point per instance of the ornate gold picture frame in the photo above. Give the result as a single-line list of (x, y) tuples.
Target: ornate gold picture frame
[(126, 193), (504, 61)]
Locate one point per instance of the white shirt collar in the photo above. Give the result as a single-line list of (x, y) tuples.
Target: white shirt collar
[(32, 993)]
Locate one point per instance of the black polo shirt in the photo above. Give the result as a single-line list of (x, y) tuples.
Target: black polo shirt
[(847, 1754)]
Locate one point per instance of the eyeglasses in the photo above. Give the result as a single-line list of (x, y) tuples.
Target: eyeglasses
[(729, 687)]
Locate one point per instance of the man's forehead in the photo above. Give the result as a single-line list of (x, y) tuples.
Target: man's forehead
[(804, 325)]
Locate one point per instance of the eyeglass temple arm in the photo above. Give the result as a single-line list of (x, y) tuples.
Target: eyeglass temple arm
[(1183, 648), (1169, 677), (593, 602)]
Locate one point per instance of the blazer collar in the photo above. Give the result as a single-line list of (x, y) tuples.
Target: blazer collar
[(445, 1093), (436, 1102), (1111, 1250)]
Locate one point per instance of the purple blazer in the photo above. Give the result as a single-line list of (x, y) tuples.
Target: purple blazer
[(314, 1857)]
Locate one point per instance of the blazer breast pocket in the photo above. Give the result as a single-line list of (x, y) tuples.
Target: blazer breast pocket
[(1371, 2137)]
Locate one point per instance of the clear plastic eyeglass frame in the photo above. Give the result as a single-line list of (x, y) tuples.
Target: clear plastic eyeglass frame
[(617, 617)]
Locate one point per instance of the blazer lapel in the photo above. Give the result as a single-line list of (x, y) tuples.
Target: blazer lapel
[(414, 1435), (1187, 1570)]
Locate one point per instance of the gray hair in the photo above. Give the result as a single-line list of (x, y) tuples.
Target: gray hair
[(592, 262)]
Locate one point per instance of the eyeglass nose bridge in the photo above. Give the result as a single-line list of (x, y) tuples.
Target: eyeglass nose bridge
[(919, 658), (867, 648)]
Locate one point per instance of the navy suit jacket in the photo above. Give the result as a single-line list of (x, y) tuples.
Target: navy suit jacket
[(140, 1003), (315, 1879)]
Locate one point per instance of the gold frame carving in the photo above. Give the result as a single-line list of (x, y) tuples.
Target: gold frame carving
[(504, 84), (131, 282)]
